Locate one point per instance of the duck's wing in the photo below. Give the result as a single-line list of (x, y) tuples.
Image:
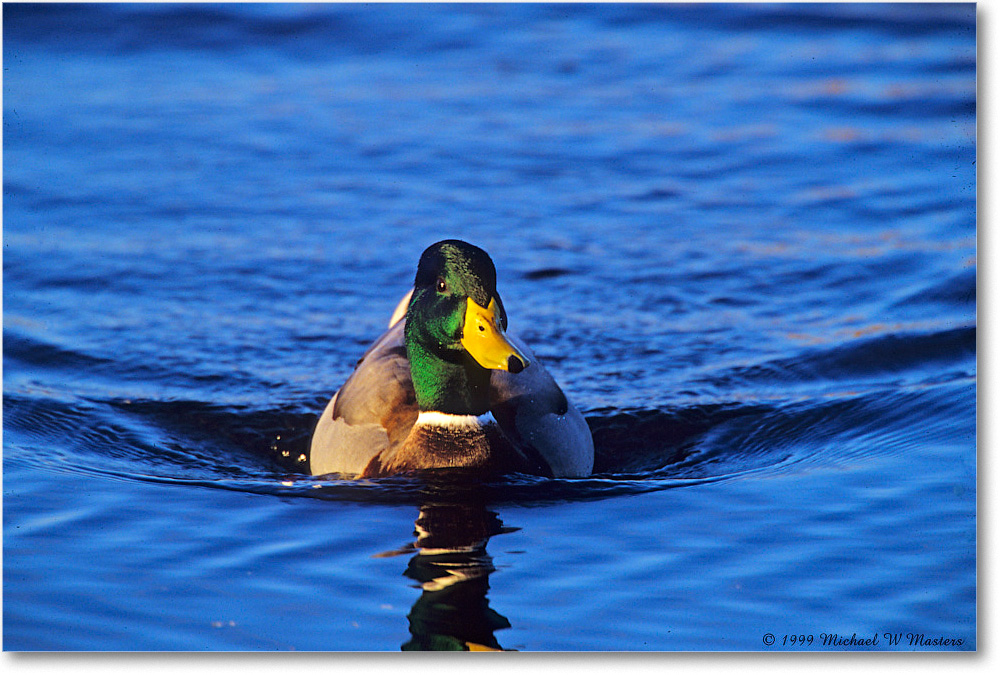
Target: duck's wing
[(373, 411), (532, 409)]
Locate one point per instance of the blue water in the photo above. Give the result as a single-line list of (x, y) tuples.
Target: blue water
[(743, 239)]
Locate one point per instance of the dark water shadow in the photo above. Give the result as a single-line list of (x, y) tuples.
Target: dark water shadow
[(452, 568), (636, 450)]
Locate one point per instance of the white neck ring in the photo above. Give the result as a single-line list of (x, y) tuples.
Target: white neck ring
[(433, 418)]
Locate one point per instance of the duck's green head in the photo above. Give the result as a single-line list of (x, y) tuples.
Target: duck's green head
[(455, 327)]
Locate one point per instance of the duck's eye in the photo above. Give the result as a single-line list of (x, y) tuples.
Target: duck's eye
[(441, 285)]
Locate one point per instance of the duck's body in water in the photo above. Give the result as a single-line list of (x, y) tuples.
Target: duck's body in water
[(446, 386)]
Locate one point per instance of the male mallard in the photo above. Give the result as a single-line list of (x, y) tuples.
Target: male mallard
[(445, 386)]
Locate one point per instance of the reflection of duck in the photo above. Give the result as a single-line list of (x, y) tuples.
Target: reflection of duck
[(445, 386), (453, 568)]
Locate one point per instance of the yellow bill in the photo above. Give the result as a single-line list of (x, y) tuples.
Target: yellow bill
[(484, 339)]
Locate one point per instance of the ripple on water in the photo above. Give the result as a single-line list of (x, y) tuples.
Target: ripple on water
[(637, 450)]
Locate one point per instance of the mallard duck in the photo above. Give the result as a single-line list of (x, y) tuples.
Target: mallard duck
[(447, 386)]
